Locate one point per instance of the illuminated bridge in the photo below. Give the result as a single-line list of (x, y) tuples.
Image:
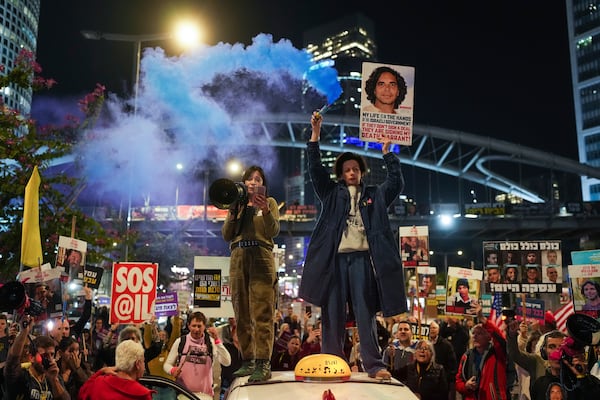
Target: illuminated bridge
[(488, 162)]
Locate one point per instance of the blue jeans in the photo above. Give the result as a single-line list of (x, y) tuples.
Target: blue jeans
[(355, 282)]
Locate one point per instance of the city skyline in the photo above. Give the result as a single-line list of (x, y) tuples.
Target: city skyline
[(501, 72)]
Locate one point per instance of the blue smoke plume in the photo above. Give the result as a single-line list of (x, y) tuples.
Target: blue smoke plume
[(186, 110)]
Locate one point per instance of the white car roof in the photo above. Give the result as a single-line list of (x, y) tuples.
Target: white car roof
[(284, 383)]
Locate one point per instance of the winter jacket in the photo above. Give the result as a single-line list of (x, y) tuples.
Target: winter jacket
[(493, 371), (383, 247), (429, 381), (101, 386)]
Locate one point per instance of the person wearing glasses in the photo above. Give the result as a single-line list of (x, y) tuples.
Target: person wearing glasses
[(425, 377)]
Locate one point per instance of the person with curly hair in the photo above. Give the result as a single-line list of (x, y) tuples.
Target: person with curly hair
[(385, 89), (591, 291), (353, 260)]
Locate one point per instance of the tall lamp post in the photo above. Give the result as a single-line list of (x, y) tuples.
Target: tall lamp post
[(186, 34), (205, 201), (136, 40)]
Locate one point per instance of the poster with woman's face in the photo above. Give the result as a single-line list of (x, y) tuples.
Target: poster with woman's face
[(585, 286)]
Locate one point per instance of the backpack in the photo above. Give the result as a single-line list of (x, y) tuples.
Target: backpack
[(182, 340)]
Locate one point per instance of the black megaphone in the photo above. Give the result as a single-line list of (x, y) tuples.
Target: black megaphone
[(224, 193)]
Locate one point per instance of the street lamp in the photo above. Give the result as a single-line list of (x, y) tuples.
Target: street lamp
[(187, 34), (204, 200), (179, 167)]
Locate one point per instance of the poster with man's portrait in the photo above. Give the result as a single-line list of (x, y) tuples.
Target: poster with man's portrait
[(414, 245), (427, 291), (463, 290), (427, 281), (387, 103), (71, 257), (523, 266)]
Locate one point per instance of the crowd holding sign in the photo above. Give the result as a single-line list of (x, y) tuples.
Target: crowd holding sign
[(133, 292)]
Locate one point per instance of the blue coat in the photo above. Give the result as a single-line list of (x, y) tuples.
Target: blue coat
[(325, 239)]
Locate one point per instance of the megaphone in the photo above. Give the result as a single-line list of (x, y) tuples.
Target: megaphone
[(14, 297), (583, 328), (224, 193)]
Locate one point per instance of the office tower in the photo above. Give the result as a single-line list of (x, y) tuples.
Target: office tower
[(345, 43), (584, 40), (18, 30)]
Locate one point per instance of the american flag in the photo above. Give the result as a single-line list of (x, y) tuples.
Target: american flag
[(496, 311), (562, 314)]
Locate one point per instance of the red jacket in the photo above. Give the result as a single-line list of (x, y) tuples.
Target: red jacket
[(101, 386), (493, 372)]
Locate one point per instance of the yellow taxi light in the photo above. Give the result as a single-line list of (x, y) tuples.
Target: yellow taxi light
[(322, 367)]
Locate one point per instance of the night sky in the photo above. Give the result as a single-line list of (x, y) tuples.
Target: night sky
[(495, 69)]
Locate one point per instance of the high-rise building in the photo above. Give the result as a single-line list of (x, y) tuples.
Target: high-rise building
[(584, 38), (345, 42), (18, 30)]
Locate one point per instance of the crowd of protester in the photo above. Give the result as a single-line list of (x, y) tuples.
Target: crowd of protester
[(468, 358)]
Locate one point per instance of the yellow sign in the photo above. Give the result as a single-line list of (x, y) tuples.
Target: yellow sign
[(322, 367)]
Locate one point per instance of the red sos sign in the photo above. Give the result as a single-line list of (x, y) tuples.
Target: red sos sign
[(133, 292)]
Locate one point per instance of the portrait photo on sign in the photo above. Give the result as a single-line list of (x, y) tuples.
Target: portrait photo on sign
[(463, 290), (71, 257), (414, 245), (585, 286), (510, 273), (427, 281), (387, 103)]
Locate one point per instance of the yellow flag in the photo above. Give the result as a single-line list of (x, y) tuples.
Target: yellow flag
[(31, 242)]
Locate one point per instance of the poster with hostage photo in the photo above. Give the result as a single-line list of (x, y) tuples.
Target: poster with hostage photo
[(585, 286), (71, 258), (414, 245), (463, 290)]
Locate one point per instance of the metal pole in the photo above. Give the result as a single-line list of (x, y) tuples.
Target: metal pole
[(128, 222), (137, 54), (136, 81), (204, 195), (176, 202)]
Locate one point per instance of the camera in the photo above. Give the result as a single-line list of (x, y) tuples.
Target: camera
[(224, 193), (46, 361), (508, 314), (14, 297)]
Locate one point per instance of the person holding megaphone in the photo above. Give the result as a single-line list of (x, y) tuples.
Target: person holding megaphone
[(250, 227)]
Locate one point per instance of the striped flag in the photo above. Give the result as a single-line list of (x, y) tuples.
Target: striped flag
[(496, 311), (31, 242), (562, 314)]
